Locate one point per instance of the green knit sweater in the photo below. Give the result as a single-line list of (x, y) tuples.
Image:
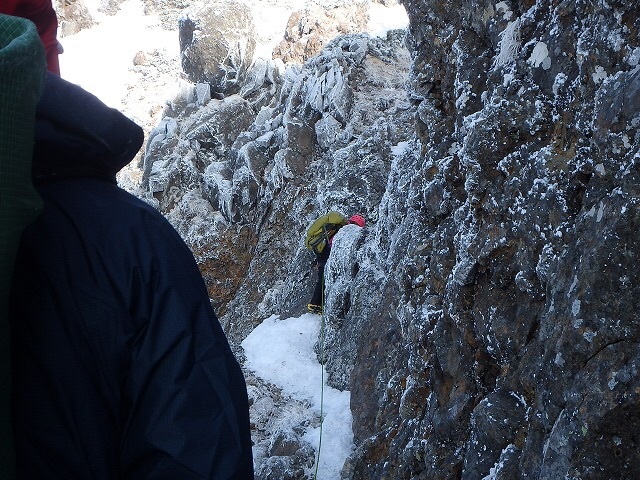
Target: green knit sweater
[(22, 70)]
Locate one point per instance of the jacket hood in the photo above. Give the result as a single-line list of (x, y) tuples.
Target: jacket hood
[(77, 135)]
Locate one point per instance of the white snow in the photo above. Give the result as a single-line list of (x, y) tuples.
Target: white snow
[(281, 352), (382, 19), (540, 56), (100, 59)]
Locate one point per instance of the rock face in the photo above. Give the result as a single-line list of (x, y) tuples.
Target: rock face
[(485, 320), (217, 42)]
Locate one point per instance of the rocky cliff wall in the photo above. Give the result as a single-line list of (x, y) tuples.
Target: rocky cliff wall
[(512, 305), (485, 321)]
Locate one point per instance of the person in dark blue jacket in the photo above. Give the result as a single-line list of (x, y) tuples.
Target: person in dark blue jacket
[(120, 367), (22, 68)]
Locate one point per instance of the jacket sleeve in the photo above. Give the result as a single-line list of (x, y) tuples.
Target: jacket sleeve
[(186, 395)]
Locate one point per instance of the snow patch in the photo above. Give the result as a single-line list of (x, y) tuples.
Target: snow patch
[(281, 352), (100, 59), (540, 56), (384, 18), (399, 149), (599, 75)]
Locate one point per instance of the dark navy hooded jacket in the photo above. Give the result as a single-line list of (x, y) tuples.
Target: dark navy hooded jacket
[(120, 367)]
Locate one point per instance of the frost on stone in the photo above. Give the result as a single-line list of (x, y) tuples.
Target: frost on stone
[(167, 128), (475, 208), (329, 91), (195, 220), (547, 255), (400, 149), (634, 57), (329, 132), (557, 442), (573, 285), (616, 40), (575, 307), (509, 44), (496, 470), (280, 171), (271, 299), (524, 282), (339, 297), (503, 8), (217, 183), (600, 213), (202, 93), (465, 93), (465, 270), (559, 82)]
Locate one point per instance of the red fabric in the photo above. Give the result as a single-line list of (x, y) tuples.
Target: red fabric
[(41, 13)]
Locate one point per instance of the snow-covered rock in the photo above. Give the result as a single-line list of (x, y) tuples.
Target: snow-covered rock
[(217, 44)]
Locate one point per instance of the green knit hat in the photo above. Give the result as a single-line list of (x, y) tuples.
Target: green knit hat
[(22, 70)]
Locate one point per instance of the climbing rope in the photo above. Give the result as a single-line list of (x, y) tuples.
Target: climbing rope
[(322, 360)]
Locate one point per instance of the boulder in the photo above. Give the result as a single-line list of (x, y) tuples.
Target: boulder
[(217, 44), (73, 16)]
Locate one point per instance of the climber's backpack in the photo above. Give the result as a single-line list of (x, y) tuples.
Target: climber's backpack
[(322, 230)]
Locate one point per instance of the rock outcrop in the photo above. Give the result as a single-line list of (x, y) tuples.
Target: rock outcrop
[(485, 320), (310, 29)]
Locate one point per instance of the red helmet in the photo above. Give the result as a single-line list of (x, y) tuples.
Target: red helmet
[(357, 220)]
